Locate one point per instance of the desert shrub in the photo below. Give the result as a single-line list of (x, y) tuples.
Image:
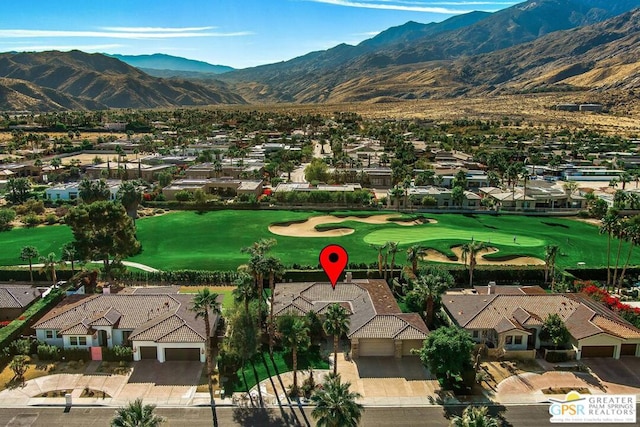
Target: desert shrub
[(51, 219), (22, 346), (6, 216), (118, 353), (48, 352), (183, 196), (31, 220)]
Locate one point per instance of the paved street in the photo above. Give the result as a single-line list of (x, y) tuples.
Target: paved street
[(517, 416)]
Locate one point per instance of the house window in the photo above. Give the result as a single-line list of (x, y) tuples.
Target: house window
[(78, 340), (475, 334), (518, 339), (509, 339), (48, 334), (58, 334)]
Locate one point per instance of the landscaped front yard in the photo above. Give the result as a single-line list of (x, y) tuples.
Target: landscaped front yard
[(40, 369), (283, 363)]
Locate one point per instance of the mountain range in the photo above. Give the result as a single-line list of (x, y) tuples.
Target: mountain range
[(538, 45)]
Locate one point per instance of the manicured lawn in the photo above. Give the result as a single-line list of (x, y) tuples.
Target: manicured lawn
[(283, 362), (226, 291), (212, 240)]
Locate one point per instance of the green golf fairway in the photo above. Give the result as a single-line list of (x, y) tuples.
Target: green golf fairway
[(427, 233), (213, 240)]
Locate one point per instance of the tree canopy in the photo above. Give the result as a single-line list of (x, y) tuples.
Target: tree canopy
[(103, 231), (447, 353), (554, 330)]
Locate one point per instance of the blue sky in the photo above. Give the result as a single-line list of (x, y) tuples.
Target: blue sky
[(238, 33)]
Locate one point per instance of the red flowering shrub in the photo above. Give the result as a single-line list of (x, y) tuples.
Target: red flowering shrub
[(631, 314)]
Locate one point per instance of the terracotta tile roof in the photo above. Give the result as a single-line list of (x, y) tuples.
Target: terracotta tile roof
[(582, 316), (509, 290), (17, 296), (374, 312), (150, 316), (77, 329), (182, 334)]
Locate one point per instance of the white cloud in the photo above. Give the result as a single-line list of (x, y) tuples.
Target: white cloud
[(187, 33), (406, 7), (156, 29)]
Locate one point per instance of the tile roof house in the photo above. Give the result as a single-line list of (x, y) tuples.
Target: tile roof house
[(157, 326), (15, 299), (513, 322), (377, 328)]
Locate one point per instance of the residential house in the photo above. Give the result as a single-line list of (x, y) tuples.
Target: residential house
[(513, 322), (71, 190), (15, 299), (377, 325), (157, 326), (442, 196), (222, 186)]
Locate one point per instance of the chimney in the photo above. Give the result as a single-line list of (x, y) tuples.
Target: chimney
[(106, 289), (491, 288), (348, 277)]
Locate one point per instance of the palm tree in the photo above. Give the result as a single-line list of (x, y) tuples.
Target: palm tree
[(619, 232), (203, 302), (274, 268), (257, 251), (130, 196), (336, 323), (392, 248), (69, 253), (429, 287), (550, 253), (49, 264), (29, 253), (336, 406), (379, 248), (396, 193), (413, 256), (295, 336), (474, 416), (245, 290), (471, 250), (135, 414), (609, 224)]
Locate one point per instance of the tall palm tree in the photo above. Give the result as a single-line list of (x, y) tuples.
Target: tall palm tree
[(295, 336), (69, 253), (379, 248), (336, 323), (392, 248), (49, 264), (336, 406), (620, 232), (28, 253), (257, 251), (274, 269), (245, 290), (471, 250), (609, 224), (135, 414), (429, 287), (204, 302), (413, 256), (474, 416), (550, 253)]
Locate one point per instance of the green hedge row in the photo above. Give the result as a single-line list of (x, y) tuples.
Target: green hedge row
[(14, 274), (195, 277), (33, 313)]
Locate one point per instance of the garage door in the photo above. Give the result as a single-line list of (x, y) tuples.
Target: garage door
[(376, 347), (628, 350), (407, 345), (148, 353), (598, 351), (182, 354)]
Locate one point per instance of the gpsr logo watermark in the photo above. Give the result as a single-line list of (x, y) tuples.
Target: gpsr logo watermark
[(593, 409)]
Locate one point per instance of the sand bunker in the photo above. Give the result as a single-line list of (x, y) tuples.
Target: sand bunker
[(307, 228), (433, 255)]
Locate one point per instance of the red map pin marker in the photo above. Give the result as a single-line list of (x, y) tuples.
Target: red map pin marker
[(333, 260)]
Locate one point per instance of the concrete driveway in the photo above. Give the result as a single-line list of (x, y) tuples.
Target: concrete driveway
[(167, 373), (388, 377), (618, 374)]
